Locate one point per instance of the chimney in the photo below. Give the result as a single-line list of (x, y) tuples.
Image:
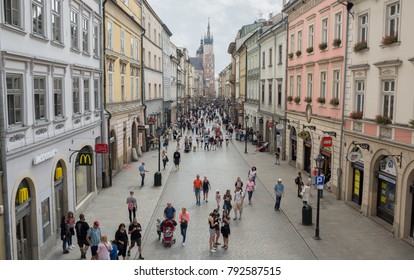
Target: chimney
[(270, 15)]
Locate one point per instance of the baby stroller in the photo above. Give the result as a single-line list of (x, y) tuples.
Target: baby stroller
[(187, 148), (263, 147), (168, 233)]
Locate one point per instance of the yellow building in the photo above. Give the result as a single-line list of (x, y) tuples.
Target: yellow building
[(123, 82)]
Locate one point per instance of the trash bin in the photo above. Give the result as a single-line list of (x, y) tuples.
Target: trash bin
[(157, 179), (306, 215)]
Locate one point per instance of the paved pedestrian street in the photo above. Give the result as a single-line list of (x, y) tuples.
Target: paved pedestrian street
[(261, 234)]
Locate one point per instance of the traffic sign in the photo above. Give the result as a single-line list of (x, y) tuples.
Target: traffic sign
[(319, 180)]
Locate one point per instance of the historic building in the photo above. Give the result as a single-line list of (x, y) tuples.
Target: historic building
[(378, 125), (50, 75), (167, 75)]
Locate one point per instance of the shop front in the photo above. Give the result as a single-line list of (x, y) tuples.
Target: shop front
[(293, 146), (307, 155), (357, 182), (386, 190)]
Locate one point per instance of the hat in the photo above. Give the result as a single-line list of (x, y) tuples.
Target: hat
[(279, 180), (96, 223)]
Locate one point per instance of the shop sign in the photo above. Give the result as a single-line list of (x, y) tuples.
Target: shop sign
[(326, 141), (304, 134), (280, 126), (389, 167), (269, 124), (101, 148), (354, 156), (388, 179), (85, 159), (43, 157)]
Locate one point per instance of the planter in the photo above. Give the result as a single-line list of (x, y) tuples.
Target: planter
[(389, 40), (289, 98), (334, 101), (298, 53), (360, 46), (296, 99), (309, 50), (308, 99), (356, 115), (411, 123), (291, 55), (382, 120), (321, 100), (323, 46), (337, 43)]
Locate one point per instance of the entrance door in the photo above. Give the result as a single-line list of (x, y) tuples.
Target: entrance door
[(307, 156), (357, 188), (23, 235), (412, 216), (58, 205)]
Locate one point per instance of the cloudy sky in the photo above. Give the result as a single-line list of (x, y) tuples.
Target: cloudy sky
[(188, 19)]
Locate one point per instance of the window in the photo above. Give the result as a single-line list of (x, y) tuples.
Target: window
[(159, 90), (338, 26), (311, 37), (388, 90), (323, 85), (85, 35), (136, 49), (159, 63), (299, 86), (299, 41), (359, 95), (37, 17), (96, 94), (123, 88), (263, 59), (12, 12), (149, 59), (270, 57), (137, 88), (86, 95), (292, 43), (132, 47), (336, 84), (74, 28), (363, 28), (14, 85), (155, 91), (39, 86), (131, 81), (56, 21), (155, 36), (149, 91), (291, 86), (75, 93), (110, 42), (309, 88), (324, 31), (270, 93), (155, 61), (122, 41), (96, 40), (111, 86), (263, 92), (57, 97), (280, 53), (279, 94), (393, 18)]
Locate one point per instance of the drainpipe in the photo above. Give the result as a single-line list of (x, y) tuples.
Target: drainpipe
[(143, 77), (7, 206), (284, 139)]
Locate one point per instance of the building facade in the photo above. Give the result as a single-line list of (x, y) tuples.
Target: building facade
[(51, 119)]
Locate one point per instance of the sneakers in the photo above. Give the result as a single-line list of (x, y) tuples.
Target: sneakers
[(83, 255), (213, 250), (72, 246), (183, 243), (140, 257), (66, 252), (129, 253), (235, 218)]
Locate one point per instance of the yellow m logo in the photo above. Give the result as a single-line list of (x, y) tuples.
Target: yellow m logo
[(85, 159)]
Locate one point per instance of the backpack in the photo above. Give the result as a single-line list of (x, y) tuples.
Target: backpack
[(131, 205), (297, 180)]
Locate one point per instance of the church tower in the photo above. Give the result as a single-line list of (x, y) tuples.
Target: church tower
[(206, 53)]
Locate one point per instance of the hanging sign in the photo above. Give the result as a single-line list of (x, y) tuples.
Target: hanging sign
[(101, 148), (304, 134), (326, 142), (353, 156)]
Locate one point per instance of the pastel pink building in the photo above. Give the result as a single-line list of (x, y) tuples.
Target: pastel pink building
[(315, 74)]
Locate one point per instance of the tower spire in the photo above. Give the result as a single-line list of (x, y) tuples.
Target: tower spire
[(208, 29)]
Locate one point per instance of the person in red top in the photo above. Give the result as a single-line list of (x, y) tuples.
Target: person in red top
[(197, 189)]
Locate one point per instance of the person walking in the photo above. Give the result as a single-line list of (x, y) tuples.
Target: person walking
[(164, 158), (305, 193), (177, 159), (225, 229), (183, 219), (299, 183), (64, 234), (227, 202), (82, 228), (206, 188), (197, 189), (212, 230), (252, 173), (277, 154), (238, 183), (71, 224), (142, 171), (279, 191), (218, 199), (238, 202), (121, 238), (169, 214), (134, 230), (104, 248), (250, 189), (93, 238), (132, 205)]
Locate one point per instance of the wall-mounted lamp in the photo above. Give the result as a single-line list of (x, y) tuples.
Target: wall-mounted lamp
[(364, 146), (311, 127), (330, 133), (348, 5)]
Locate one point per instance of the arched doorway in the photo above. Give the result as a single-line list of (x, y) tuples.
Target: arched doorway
[(60, 192), (134, 136), (307, 154), (293, 145), (386, 176), (24, 232), (357, 181), (83, 176), (113, 150)]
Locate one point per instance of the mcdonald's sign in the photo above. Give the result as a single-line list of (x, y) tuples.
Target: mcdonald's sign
[(22, 195), (85, 159)]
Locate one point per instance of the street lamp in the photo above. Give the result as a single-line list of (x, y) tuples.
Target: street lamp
[(157, 175), (246, 119), (319, 160)]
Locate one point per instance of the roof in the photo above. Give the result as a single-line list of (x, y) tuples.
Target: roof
[(197, 62)]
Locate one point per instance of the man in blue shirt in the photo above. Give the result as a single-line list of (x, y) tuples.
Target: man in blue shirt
[(142, 173), (279, 190), (169, 214)]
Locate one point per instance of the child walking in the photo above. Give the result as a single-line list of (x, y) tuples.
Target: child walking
[(158, 225), (218, 199)]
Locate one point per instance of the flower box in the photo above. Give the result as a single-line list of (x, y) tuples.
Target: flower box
[(411, 123), (337, 43), (296, 99), (298, 53), (289, 98), (321, 100), (360, 46), (382, 120), (390, 39), (323, 46), (334, 101), (291, 55), (356, 115), (309, 50), (308, 99)]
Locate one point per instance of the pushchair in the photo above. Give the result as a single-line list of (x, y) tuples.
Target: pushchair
[(168, 233)]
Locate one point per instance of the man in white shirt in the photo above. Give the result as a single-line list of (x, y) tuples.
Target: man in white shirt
[(238, 202)]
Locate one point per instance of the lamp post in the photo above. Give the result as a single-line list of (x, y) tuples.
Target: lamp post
[(157, 175), (246, 119), (319, 160)]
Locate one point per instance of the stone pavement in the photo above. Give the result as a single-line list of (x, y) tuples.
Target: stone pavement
[(261, 234)]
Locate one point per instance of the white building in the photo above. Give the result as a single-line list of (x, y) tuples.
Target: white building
[(50, 82)]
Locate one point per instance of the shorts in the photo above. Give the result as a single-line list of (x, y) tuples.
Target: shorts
[(137, 241), (212, 231), (238, 206), (197, 191), (94, 250), (82, 243), (205, 190)]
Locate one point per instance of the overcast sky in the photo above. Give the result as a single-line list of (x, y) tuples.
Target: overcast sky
[(188, 19)]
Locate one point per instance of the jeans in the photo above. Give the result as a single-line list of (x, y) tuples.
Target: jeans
[(278, 199), (249, 195), (142, 179), (69, 239), (183, 232), (65, 243), (132, 213)]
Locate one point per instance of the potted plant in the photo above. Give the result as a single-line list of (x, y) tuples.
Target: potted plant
[(360, 46), (390, 39), (296, 99), (321, 100), (334, 101), (291, 55), (336, 42), (308, 99), (309, 50), (411, 122), (323, 46), (290, 98), (298, 53), (382, 120), (356, 115)]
